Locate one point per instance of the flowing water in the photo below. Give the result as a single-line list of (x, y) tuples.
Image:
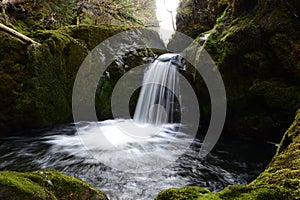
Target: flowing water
[(231, 162), (156, 103), (135, 159)]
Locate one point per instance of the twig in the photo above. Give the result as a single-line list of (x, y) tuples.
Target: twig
[(18, 35)]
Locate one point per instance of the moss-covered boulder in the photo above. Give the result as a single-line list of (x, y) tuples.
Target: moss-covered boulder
[(45, 184), (256, 46), (280, 180), (36, 83)]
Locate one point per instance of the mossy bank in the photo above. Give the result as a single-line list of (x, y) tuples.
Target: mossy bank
[(36, 82), (280, 180), (45, 184), (256, 46)]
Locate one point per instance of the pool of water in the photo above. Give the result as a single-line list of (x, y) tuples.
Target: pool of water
[(233, 161)]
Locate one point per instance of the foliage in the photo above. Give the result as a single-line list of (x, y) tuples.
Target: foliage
[(45, 184), (51, 14), (36, 83), (280, 180), (62, 11)]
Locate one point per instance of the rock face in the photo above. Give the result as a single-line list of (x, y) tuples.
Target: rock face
[(280, 180), (36, 83), (45, 184), (256, 47), (197, 16)]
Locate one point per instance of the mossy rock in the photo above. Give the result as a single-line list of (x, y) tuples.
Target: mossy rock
[(255, 45), (37, 82), (256, 50), (94, 35), (45, 184), (185, 193), (279, 181), (195, 17), (236, 192)]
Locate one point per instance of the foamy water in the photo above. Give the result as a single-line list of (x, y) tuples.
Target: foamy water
[(79, 154), (124, 145)]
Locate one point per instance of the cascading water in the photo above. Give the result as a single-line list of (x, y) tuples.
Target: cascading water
[(159, 95), (113, 167)]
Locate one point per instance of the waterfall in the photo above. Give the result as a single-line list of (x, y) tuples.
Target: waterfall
[(159, 98)]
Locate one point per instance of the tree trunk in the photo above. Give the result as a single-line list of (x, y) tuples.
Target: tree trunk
[(18, 35)]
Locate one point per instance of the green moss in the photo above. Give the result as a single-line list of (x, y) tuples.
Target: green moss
[(287, 49), (290, 135), (45, 184), (185, 193), (277, 94), (195, 17), (38, 82), (256, 52), (284, 169), (30, 16), (22, 185), (252, 193), (237, 192), (94, 35), (279, 181)]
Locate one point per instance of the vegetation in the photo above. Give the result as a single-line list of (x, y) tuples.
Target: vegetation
[(33, 15), (45, 184), (38, 81), (255, 46), (280, 180)]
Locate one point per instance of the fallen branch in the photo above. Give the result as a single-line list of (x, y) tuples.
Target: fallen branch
[(18, 35)]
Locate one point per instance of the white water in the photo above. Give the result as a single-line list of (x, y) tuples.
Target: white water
[(109, 155), (152, 140), (62, 149), (106, 143), (157, 100)]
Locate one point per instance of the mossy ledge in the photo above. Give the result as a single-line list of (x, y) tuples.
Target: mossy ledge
[(279, 181), (45, 184), (36, 83), (256, 46)]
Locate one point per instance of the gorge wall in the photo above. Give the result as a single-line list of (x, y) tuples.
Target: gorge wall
[(280, 180), (36, 82), (256, 46)]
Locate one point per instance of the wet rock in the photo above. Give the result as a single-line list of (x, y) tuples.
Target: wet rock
[(37, 82), (255, 45), (45, 184), (280, 180)]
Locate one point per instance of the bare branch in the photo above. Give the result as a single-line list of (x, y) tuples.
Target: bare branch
[(18, 34)]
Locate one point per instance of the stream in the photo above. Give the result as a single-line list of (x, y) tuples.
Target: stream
[(233, 161)]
